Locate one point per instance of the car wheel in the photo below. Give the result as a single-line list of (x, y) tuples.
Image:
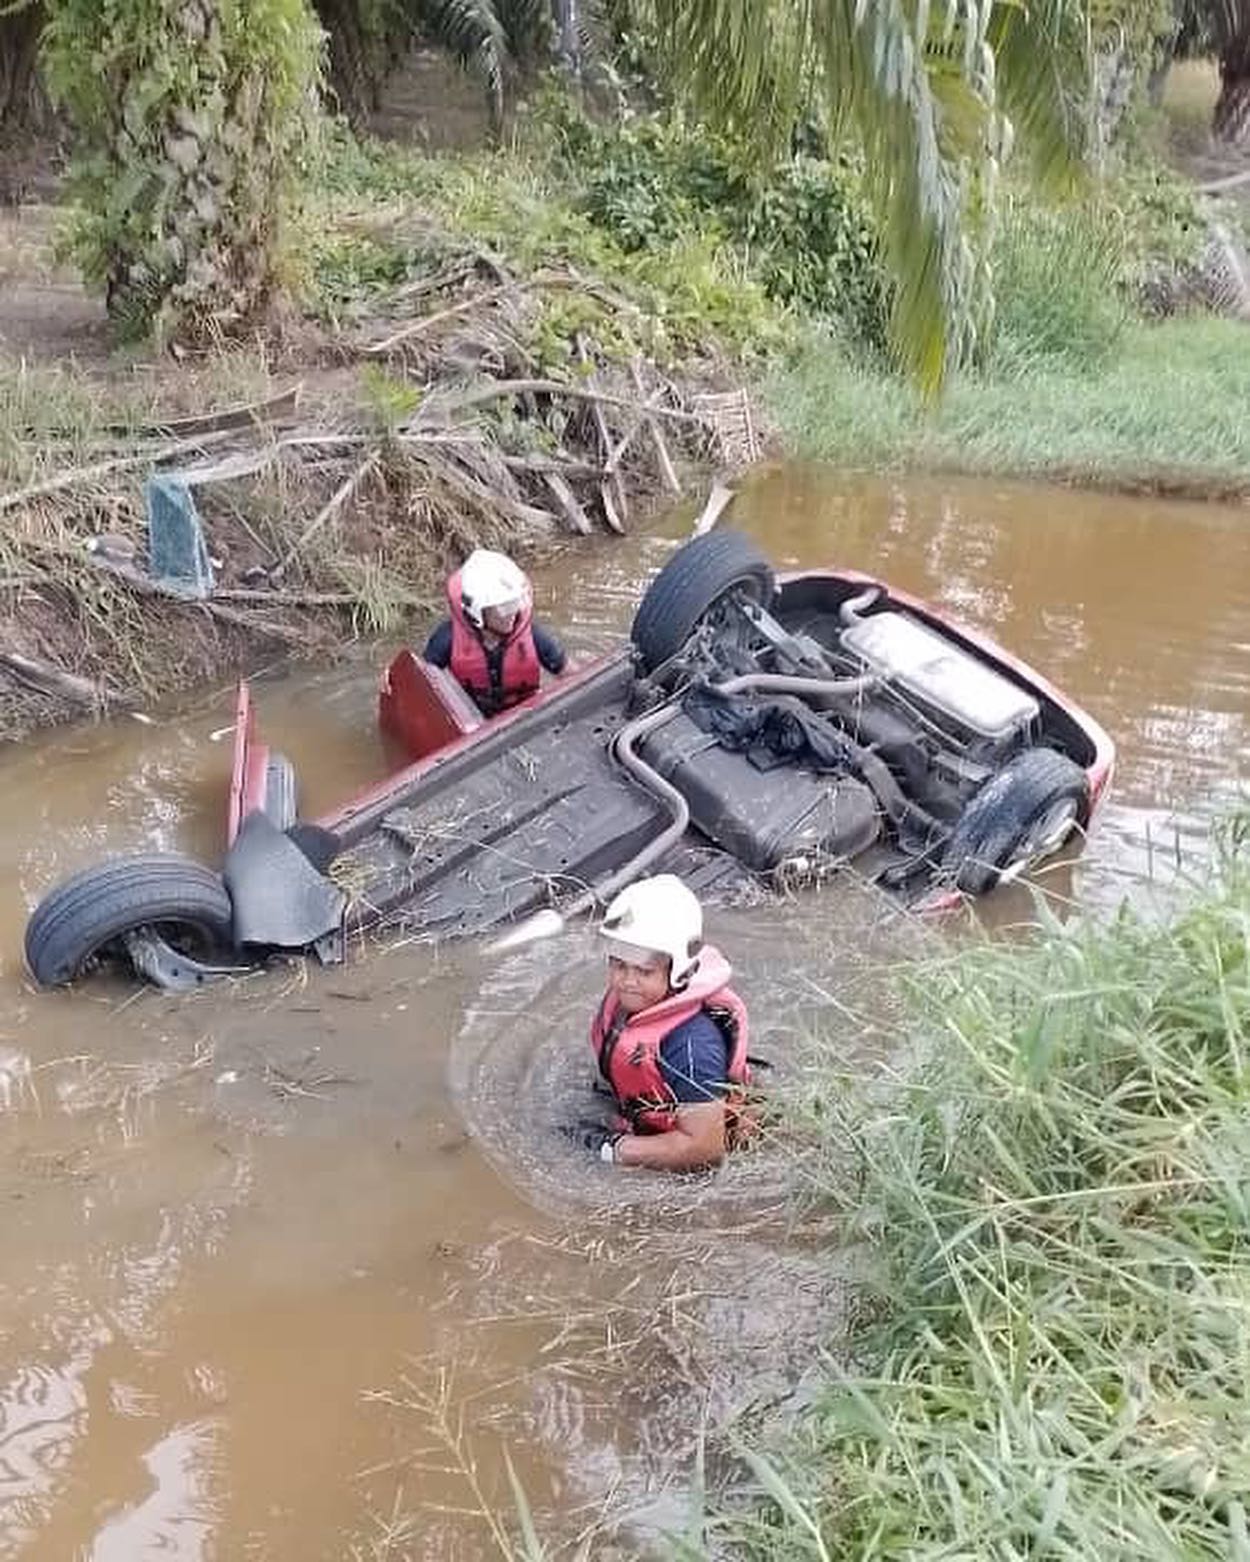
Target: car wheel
[(88, 914), (1021, 815), (695, 579)]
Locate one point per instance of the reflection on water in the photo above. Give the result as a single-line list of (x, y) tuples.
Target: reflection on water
[(289, 1262)]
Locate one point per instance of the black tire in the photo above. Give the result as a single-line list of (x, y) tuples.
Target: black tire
[(694, 580), (1000, 825), (84, 914)]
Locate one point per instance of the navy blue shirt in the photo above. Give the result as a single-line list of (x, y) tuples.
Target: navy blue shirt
[(694, 1059)]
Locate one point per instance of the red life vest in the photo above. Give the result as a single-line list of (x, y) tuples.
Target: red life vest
[(470, 667), (628, 1049)]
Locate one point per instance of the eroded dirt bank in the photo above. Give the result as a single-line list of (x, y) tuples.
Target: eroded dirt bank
[(338, 469)]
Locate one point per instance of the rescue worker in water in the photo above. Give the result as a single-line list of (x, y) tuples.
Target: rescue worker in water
[(670, 1035), (491, 643)]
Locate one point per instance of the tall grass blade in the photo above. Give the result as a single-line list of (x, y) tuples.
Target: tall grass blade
[(532, 1549)]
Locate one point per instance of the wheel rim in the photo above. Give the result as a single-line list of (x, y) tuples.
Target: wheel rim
[(192, 939), (1046, 834), (720, 615)]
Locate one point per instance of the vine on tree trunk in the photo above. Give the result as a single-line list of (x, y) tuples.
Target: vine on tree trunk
[(193, 117)]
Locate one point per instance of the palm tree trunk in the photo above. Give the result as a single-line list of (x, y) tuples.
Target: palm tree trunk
[(1231, 120), (207, 156), (23, 105), (354, 49)]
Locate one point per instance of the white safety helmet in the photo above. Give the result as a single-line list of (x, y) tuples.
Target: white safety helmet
[(657, 916), (490, 579)]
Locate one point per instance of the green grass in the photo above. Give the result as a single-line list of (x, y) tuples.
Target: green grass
[(1168, 406), (1055, 1357)]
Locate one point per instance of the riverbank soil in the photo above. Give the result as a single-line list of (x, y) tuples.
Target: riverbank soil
[(434, 382)]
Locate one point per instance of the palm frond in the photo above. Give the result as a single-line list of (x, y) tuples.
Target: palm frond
[(933, 90), (1041, 61), (472, 32), (1228, 25), (527, 27)]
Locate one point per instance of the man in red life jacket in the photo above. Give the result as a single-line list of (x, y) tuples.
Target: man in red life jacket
[(670, 1036), (491, 643)]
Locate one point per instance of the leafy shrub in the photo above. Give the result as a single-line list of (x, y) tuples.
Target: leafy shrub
[(1160, 218), (802, 227), (689, 293)]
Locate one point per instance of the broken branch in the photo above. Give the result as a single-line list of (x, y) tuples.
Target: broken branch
[(333, 504), (87, 474), (50, 679), (667, 470)]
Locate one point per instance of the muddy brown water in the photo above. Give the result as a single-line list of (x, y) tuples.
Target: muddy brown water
[(290, 1264)]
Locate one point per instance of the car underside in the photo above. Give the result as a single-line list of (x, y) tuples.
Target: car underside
[(753, 732)]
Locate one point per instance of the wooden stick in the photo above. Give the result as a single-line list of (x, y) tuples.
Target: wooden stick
[(667, 470), (419, 327), (244, 416), (142, 586), (449, 439), (612, 491), (87, 474), (500, 388), (50, 679), (1230, 182), (623, 444), (336, 501), (565, 498), (609, 509), (718, 501), (568, 465), (279, 598)]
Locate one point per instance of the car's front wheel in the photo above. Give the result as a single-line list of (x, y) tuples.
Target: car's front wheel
[(695, 580)]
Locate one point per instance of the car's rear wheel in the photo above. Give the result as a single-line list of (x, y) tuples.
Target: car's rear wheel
[(1019, 816), (696, 580), (88, 915)]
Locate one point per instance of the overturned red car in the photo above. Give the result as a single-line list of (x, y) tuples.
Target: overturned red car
[(754, 729)]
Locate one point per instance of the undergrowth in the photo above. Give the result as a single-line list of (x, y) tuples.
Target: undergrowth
[(390, 215), (1055, 1356), (1165, 409)]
